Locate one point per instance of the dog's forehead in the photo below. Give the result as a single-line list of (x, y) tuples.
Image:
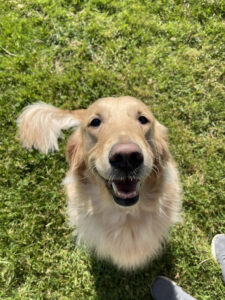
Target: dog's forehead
[(116, 105)]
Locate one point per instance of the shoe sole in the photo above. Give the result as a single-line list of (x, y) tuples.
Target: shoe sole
[(213, 250), (164, 277)]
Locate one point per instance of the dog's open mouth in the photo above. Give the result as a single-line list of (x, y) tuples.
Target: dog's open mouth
[(125, 192)]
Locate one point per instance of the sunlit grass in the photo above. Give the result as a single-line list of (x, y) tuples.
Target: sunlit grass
[(171, 55)]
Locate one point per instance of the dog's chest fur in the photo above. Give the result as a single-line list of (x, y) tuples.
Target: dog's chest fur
[(127, 236)]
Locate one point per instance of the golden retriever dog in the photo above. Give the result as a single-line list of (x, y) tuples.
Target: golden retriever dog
[(122, 185)]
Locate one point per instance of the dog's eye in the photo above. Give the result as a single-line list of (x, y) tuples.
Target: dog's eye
[(143, 120), (95, 122)]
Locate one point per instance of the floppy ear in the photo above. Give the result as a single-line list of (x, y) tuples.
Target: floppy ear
[(74, 151), (40, 125), (160, 143)]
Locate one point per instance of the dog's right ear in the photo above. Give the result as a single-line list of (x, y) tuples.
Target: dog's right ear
[(74, 151), (40, 125)]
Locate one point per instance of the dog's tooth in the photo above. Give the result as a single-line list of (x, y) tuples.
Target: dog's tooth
[(115, 188), (138, 186)]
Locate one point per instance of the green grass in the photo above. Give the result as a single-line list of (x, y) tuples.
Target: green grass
[(171, 55)]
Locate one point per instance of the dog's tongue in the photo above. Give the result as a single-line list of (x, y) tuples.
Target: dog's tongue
[(125, 189), (126, 186)]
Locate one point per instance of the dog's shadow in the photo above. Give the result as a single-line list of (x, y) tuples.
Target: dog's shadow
[(111, 283)]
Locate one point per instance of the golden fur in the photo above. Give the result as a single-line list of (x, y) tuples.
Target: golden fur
[(129, 236)]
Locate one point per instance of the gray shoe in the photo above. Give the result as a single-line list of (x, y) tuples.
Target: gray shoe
[(218, 251), (165, 289)]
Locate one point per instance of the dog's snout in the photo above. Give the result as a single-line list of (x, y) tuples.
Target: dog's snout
[(126, 156)]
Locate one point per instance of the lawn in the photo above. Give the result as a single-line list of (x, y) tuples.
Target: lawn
[(171, 55)]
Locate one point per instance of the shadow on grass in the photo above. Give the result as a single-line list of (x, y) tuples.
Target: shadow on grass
[(111, 283)]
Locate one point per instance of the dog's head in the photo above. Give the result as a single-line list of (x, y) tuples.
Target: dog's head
[(121, 142)]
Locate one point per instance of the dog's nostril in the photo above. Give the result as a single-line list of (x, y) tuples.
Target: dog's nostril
[(116, 160), (136, 159), (126, 156)]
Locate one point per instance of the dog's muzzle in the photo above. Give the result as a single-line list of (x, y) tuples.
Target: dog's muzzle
[(125, 159)]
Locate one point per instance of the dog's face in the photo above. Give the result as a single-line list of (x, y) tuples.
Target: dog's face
[(122, 143)]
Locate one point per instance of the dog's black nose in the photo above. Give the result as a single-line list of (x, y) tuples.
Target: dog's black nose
[(126, 156)]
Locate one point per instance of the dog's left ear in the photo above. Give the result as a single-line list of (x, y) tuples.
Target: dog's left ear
[(160, 143)]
